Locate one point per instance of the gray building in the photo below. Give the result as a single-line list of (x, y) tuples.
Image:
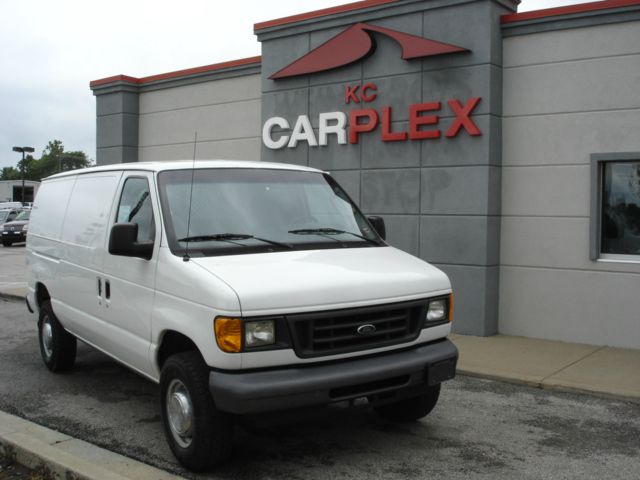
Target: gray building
[(502, 147)]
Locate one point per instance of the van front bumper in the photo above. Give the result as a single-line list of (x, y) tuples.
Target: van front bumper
[(382, 378)]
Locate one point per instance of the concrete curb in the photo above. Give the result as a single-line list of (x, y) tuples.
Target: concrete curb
[(63, 457), (14, 291), (11, 296), (544, 385)]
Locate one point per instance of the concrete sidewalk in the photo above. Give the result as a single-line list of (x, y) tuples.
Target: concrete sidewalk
[(13, 291), (604, 371)]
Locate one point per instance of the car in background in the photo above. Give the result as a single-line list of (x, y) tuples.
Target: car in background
[(16, 230), (15, 205), (8, 214)]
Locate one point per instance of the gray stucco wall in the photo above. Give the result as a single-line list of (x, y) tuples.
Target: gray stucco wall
[(440, 198), (158, 120), (225, 113), (567, 94), (116, 124)]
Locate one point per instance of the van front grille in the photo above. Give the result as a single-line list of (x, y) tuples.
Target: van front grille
[(350, 330)]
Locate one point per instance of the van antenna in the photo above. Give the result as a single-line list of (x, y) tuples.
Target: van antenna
[(186, 257)]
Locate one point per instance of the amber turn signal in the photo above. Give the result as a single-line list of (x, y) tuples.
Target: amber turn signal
[(450, 314), (228, 334)]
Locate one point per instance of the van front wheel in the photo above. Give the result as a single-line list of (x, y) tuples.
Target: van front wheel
[(410, 409), (200, 436), (57, 346)]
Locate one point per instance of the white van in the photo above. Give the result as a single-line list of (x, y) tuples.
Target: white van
[(239, 287)]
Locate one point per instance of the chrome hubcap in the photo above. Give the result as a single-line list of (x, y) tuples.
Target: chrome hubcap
[(47, 337), (180, 413)]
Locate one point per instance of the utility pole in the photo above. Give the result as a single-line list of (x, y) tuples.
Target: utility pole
[(22, 165)]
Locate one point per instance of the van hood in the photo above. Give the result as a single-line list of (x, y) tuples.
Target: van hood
[(306, 280)]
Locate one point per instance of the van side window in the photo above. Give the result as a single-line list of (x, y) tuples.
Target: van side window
[(135, 207)]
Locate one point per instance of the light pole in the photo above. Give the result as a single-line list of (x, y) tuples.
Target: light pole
[(23, 150)]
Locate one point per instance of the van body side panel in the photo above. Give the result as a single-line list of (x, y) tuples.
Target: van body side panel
[(77, 302), (44, 248), (188, 299), (50, 208)]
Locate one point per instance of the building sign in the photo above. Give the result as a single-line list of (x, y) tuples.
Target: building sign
[(424, 122), (355, 43), (348, 47)]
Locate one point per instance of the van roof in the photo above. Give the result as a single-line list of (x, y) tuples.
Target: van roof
[(183, 164)]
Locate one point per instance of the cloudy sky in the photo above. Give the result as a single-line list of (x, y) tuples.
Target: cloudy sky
[(52, 49)]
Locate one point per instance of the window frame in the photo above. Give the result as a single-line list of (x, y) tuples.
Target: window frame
[(124, 181), (598, 162)]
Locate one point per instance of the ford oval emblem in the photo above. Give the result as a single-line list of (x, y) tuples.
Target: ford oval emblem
[(367, 329)]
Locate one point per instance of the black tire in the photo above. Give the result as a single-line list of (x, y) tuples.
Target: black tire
[(6, 243), (411, 409), (57, 346), (208, 436)]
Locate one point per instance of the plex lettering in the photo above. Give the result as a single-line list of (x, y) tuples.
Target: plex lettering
[(424, 124)]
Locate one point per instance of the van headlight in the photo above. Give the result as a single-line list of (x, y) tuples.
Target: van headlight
[(439, 310), (228, 333), (259, 334)]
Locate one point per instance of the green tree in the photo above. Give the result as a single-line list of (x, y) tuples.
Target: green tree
[(73, 161), (26, 166), (10, 173)]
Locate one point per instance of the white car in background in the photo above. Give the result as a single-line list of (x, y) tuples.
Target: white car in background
[(10, 205), (8, 214)]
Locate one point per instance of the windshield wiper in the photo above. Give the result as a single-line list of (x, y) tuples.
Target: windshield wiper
[(228, 237), (330, 231)]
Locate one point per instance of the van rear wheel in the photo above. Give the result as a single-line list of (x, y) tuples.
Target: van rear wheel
[(411, 409), (57, 346), (6, 243), (199, 435)]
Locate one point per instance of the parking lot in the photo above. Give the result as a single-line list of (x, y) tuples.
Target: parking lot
[(480, 428), (12, 269)]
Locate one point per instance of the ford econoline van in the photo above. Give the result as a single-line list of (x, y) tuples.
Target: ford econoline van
[(238, 287)]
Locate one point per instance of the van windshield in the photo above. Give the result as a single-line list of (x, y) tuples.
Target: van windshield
[(247, 210)]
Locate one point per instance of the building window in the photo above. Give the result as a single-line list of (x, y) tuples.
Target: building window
[(617, 207)]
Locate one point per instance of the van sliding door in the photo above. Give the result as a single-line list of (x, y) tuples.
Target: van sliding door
[(84, 230)]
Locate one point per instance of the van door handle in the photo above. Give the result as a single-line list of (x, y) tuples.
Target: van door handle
[(99, 287), (107, 289)]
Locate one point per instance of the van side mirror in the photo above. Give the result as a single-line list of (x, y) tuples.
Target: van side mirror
[(378, 225), (122, 241)]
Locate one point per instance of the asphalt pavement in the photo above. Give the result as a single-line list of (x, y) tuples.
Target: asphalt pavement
[(13, 273), (480, 428)]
